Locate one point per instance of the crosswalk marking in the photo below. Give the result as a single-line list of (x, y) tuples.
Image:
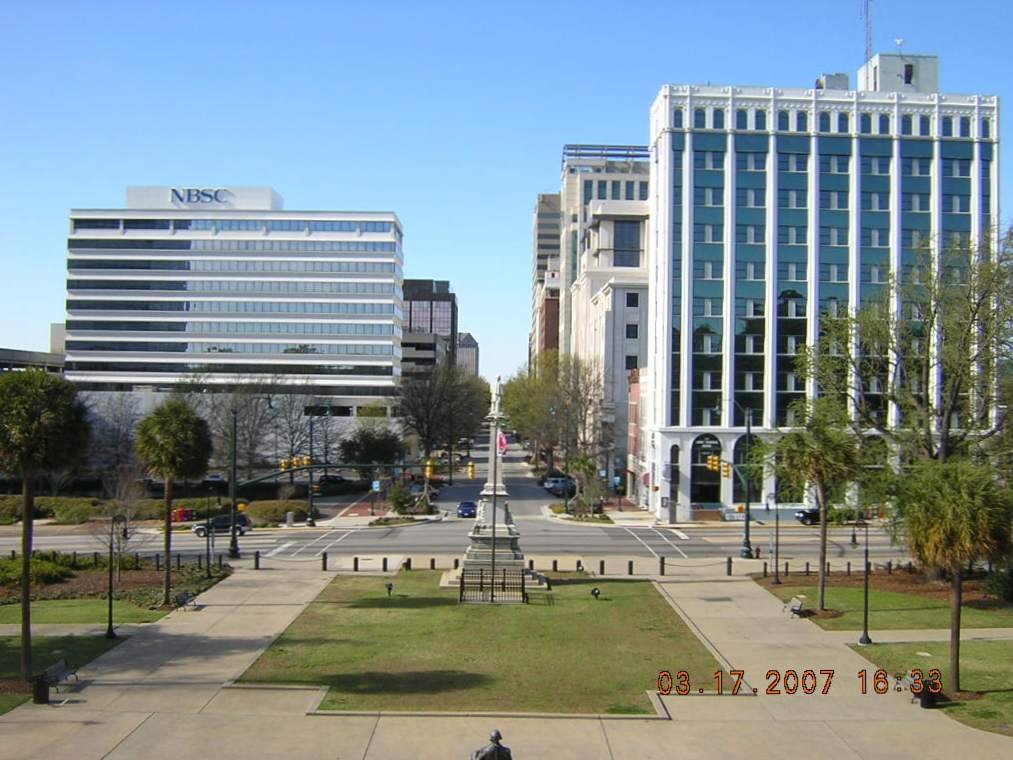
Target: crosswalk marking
[(280, 549)]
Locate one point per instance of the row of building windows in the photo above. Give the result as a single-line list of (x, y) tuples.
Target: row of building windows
[(358, 246), (236, 286), (831, 164), (235, 307), (351, 349), (621, 190), (229, 225), (831, 122), (207, 328), (265, 368), (219, 265)]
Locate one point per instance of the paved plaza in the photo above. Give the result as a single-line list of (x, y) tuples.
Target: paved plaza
[(166, 692)]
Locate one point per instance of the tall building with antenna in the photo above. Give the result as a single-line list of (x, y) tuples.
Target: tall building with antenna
[(770, 206)]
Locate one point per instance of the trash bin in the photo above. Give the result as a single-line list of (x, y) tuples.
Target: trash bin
[(927, 698), (290, 519), (40, 690)]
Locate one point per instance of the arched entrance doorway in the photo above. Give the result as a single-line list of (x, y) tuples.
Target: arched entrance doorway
[(705, 485)]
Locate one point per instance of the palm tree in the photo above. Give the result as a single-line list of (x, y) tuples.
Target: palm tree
[(43, 425), (173, 442), (823, 453), (953, 513)]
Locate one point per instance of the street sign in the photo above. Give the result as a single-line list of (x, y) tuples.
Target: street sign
[(376, 485)]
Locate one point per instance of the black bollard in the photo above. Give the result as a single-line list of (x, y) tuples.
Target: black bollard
[(384, 565), (756, 552), (728, 570), (601, 567), (219, 561), (910, 566), (408, 563), (629, 567), (828, 568), (137, 561), (849, 568), (94, 558), (256, 559), (785, 568), (457, 562), (661, 565), (355, 564), (555, 565), (158, 561), (764, 569), (200, 564), (531, 564), (432, 563), (889, 567), (323, 561), (807, 568), (179, 561), (580, 566)]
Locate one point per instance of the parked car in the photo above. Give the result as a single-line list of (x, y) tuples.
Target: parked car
[(837, 515), (326, 483), (417, 489), (808, 516), (565, 489), (467, 509), (221, 524)]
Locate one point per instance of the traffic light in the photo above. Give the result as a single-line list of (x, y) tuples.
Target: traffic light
[(726, 469), (471, 470), (714, 463), (429, 469), (283, 464), (306, 461)]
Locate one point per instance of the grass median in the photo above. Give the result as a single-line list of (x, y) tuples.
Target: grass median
[(46, 650), (48, 611), (986, 677), (419, 649), (896, 602)]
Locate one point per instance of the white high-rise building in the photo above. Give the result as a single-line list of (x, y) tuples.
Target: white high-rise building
[(222, 284), (772, 206)]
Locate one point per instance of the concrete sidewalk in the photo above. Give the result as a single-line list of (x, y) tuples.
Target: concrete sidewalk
[(162, 694)]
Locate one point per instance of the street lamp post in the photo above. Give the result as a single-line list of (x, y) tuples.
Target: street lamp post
[(207, 532), (309, 474), (233, 538), (110, 633), (777, 536), (747, 547), (865, 640)]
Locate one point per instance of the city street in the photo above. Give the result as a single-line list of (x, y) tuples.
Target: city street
[(637, 536)]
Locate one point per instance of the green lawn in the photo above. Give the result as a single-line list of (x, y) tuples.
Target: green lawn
[(421, 650), (80, 611), (46, 650), (890, 610), (985, 666)]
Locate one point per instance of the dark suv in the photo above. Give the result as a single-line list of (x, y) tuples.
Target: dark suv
[(221, 523)]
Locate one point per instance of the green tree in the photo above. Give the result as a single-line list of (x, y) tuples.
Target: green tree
[(174, 442), (935, 360), (371, 443), (823, 453), (43, 426), (952, 513), (442, 405)]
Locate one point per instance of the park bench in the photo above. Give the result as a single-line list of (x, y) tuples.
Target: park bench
[(796, 606), (57, 673), (186, 600)]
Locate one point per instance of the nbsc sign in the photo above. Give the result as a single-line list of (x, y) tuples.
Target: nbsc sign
[(199, 195)]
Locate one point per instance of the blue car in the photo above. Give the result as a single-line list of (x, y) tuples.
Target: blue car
[(467, 509)]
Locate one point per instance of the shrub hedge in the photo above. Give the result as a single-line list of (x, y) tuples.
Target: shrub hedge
[(273, 512), (43, 571)]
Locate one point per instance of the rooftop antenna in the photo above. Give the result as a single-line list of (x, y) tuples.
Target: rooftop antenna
[(867, 17), (899, 42)]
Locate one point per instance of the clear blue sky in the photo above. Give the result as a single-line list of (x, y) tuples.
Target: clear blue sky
[(451, 114)]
